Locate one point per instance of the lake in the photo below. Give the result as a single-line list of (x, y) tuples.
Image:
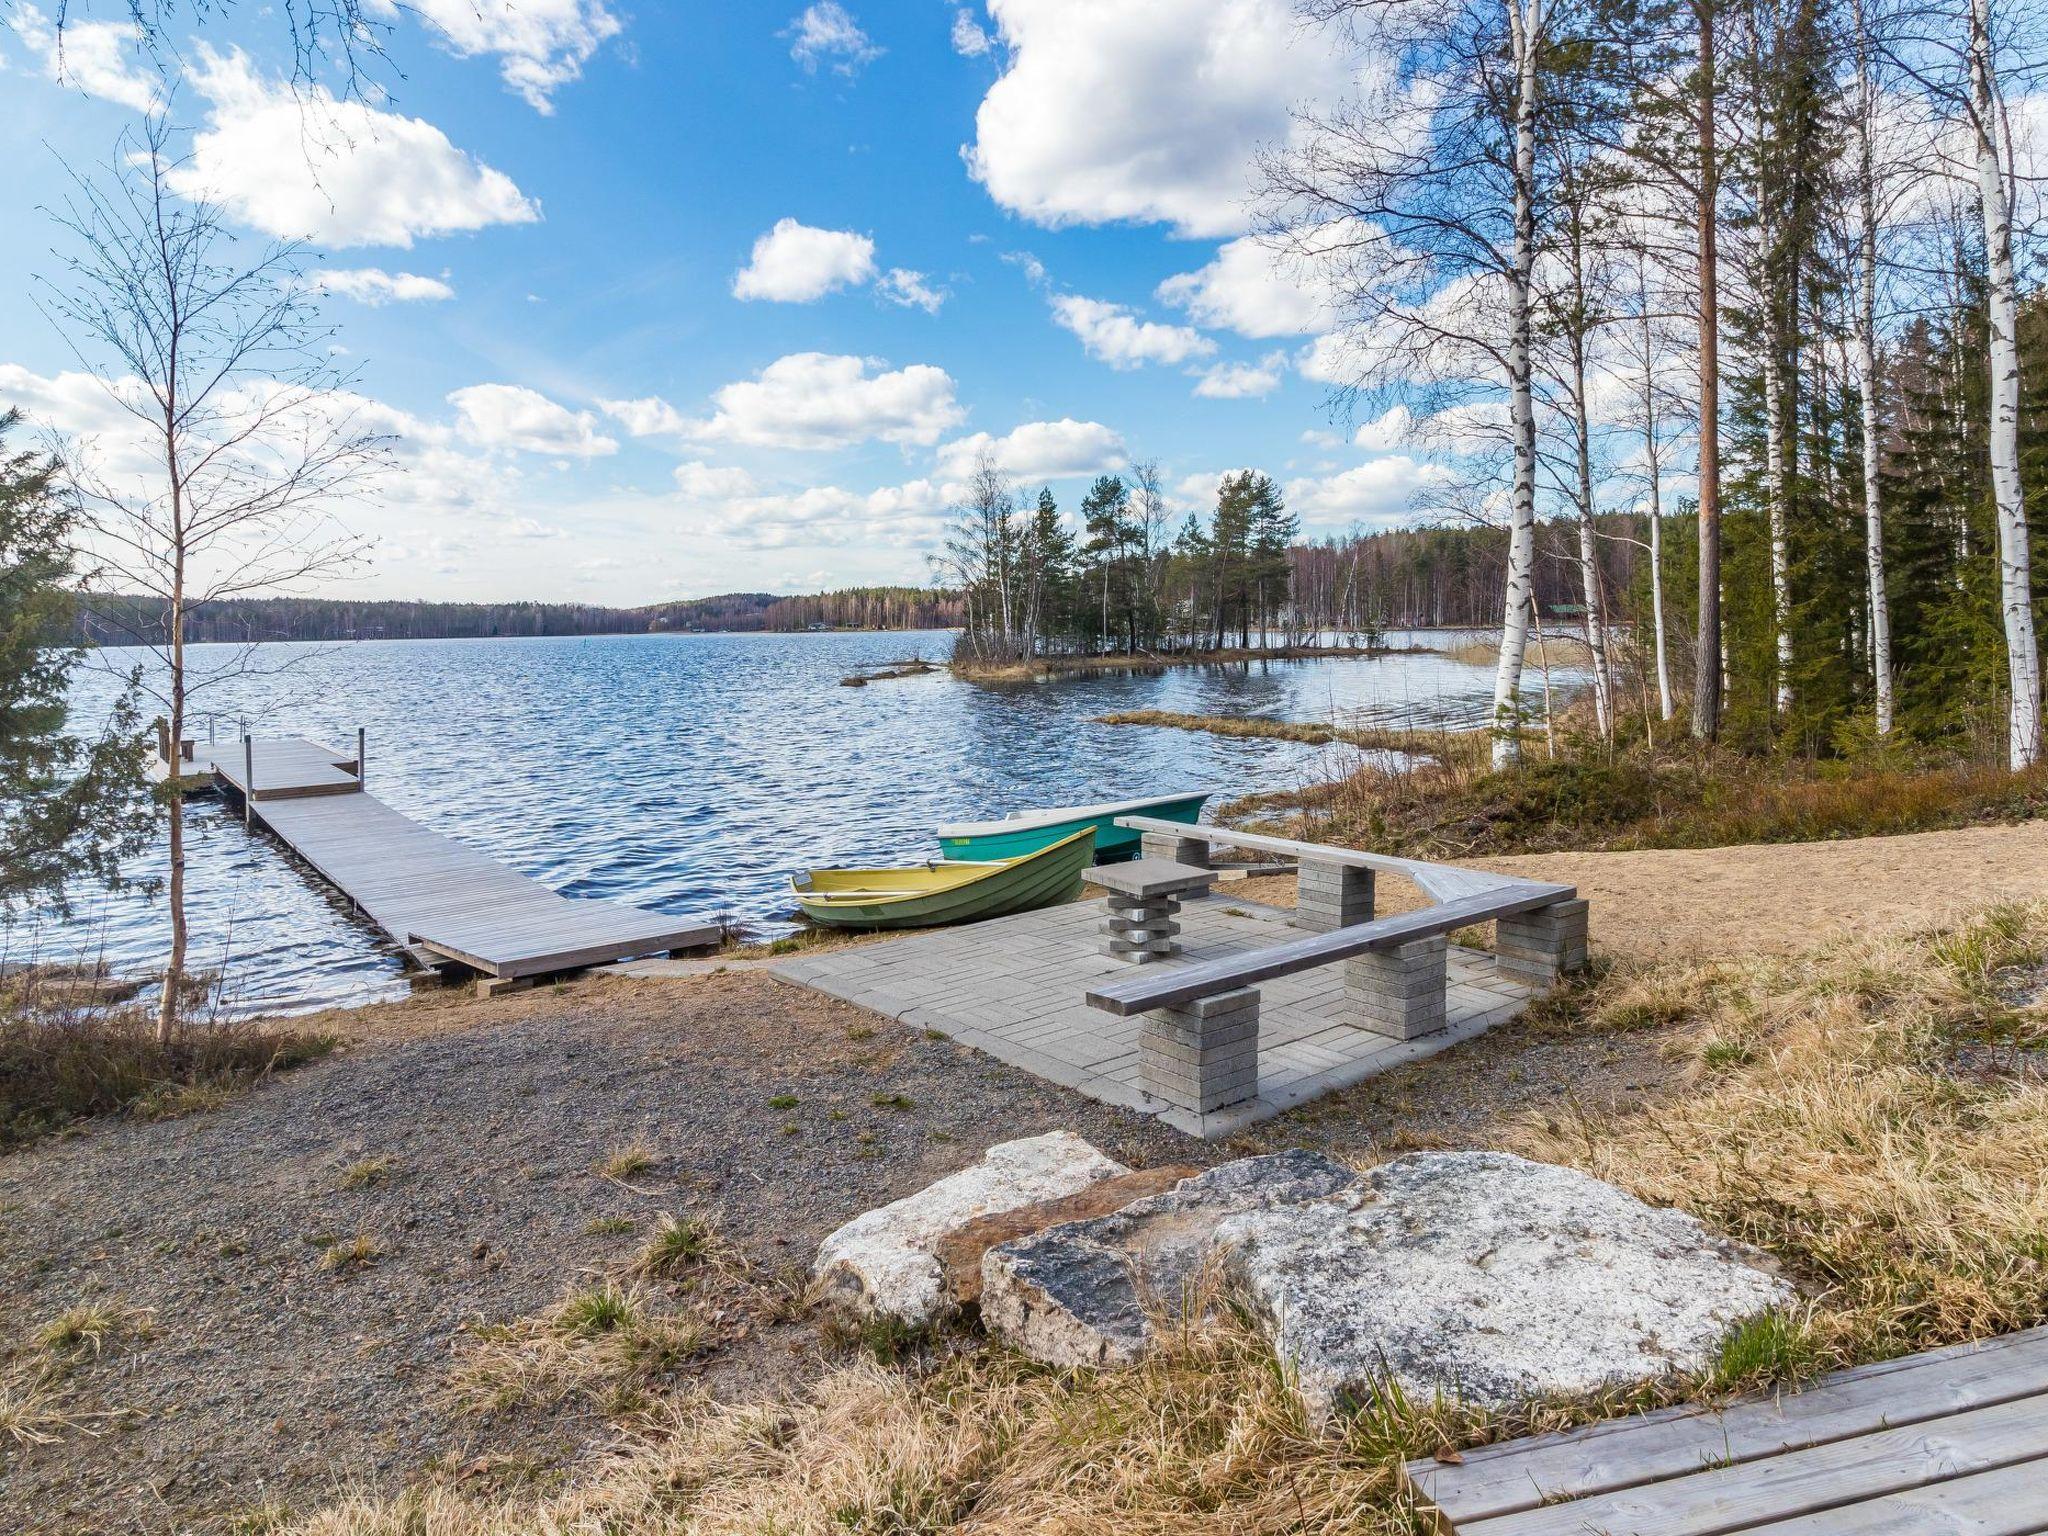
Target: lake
[(694, 773)]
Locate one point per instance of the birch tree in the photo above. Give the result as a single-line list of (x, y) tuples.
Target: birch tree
[(243, 438), (1864, 125), (1417, 203), (1991, 147)]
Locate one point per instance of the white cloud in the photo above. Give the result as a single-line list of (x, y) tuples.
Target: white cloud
[(541, 44), (1039, 450), (1381, 492), (1251, 290), (99, 58), (1316, 437), (903, 516), (795, 263), (1110, 333), (704, 482), (650, 417), (304, 165), (374, 286), (820, 400), (969, 40), (1146, 110), (1392, 428), (513, 416), (827, 33), (1241, 381), (900, 285)]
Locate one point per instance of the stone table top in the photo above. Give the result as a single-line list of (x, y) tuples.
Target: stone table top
[(1152, 877)]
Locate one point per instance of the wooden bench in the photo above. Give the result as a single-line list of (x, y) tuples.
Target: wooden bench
[(1954, 1440), (1201, 1020)]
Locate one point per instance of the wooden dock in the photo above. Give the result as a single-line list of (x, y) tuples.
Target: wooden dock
[(1937, 1444), (443, 902)]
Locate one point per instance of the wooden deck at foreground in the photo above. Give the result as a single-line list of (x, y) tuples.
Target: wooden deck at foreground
[(440, 900), (1940, 1444)]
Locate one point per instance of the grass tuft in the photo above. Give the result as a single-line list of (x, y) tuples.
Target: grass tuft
[(679, 1243), (624, 1162), (351, 1253), (367, 1174), (87, 1329)]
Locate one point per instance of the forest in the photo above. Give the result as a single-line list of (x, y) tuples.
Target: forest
[(115, 620), (1722, 329)]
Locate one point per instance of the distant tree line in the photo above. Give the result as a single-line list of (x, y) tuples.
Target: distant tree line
[(115, 620), (1118, 577)]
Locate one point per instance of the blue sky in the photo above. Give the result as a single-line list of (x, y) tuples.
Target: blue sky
[(686, 299)]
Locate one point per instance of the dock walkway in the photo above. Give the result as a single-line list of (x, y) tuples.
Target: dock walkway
[(440, 900), (1951, 1441)]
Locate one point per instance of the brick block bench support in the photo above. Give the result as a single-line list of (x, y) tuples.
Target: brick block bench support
[(1332, 896), (1181, 850), (1399, 991), (1203, 1055), (1543, 944)]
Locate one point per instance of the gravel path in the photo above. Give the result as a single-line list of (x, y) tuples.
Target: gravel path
[(264, 1378)]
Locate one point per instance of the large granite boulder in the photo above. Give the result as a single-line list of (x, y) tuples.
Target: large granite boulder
[(1489, 1278), (1086, 1292), (883, 1262), (960, 1251)]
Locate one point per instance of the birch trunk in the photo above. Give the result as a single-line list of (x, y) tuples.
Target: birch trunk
[(2015, 580), (1866, 370), (1774, 494), (1589, 553), (1709, 652), (1525, 24)]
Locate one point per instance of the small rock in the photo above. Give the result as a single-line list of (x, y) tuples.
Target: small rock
[(883, 1263), (959, 1253), (1080, 1293), (1492, 1279)]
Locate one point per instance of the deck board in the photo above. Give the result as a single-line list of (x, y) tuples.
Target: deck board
[(438, 898), (1859, 1453)]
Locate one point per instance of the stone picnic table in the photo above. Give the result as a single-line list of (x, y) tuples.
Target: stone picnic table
[(1144, 898)]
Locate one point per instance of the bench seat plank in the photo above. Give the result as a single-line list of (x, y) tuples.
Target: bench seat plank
[(1440, 882), (1185, 983)]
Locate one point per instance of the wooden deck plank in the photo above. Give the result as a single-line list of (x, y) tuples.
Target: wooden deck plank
[(2007, 1501), (1821, 1477), (1522, 1474), (435, 896)]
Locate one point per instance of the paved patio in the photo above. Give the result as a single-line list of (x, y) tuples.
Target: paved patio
[(1013, 987)]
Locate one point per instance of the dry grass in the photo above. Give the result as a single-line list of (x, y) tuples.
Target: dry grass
[(61, 1066), (351, 1253), (1142, 661), (370, 1173), (1835, 1116), (1462, 748), (1593, 798), (623, 1162), (609, 1342), (680, 1244), (1547, 651), (86, 1330), (1834, 1121)]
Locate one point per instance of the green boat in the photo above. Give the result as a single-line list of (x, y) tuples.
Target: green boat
[(1027, 831), (946, 891)]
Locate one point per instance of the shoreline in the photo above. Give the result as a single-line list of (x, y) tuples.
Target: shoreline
[(1046, 667)]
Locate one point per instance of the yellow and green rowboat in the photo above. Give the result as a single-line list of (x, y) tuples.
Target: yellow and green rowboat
[(946, 891)]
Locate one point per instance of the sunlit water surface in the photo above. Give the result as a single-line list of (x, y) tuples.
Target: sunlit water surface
[(693, 773)]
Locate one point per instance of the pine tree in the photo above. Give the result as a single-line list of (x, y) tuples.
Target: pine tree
[(70, 808)]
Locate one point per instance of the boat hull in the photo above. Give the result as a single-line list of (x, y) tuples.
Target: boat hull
[(1112, 842), (1039, 879)]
